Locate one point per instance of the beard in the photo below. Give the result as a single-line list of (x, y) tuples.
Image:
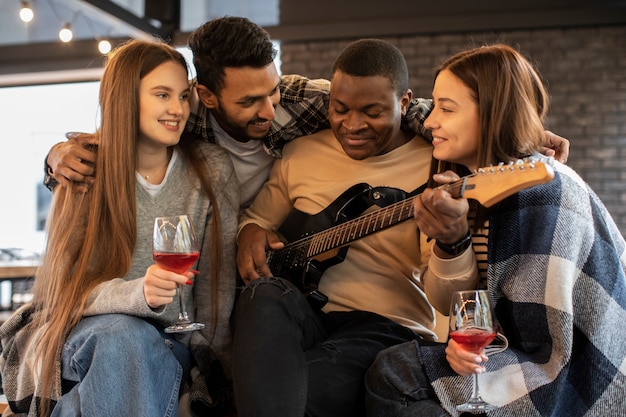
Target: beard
[(241, 131)]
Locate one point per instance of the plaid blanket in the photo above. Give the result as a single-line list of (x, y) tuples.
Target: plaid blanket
[(556, 273), (16, 363)]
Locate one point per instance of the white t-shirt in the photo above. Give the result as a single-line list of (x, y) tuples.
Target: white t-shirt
[(252, 163)]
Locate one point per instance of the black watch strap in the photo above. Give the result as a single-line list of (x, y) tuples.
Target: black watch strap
[(457, 247)]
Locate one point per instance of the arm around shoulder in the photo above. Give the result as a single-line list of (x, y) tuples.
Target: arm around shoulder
[(71, 161)]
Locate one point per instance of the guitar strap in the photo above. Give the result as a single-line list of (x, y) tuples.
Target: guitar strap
[(384, 196), (419, 190)]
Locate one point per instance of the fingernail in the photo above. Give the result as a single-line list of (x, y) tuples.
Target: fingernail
[(195, 271), (188, 282)]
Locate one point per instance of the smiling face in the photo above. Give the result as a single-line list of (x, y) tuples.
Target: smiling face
[(163, 104), (365, 115), (245, 105), (454, 121)]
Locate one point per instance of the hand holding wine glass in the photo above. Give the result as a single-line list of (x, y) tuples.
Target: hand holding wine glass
[(175, 249), (472, 326)]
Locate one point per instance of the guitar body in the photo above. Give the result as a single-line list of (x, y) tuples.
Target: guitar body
[(296, 263), (305, 272)]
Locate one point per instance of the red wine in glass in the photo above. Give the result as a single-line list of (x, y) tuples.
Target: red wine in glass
[(472, 326), (176, 262), (174, 247), (473, 339)]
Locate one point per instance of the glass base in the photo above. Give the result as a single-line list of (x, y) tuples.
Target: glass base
[(184, 327), (475, 405)]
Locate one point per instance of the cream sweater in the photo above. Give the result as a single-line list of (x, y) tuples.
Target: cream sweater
[(381, 271)]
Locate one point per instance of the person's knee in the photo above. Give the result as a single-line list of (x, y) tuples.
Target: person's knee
[(107, 344), (391, 356), (126, 328), (390, 368), (267, 286), (263, 294), (108, 333), (397, 385)]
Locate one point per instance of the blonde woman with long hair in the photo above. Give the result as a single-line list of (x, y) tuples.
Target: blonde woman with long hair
[(92, 341)]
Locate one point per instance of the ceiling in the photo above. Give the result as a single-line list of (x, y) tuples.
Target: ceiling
[(27, 50)]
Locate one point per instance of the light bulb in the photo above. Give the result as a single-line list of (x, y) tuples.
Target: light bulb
[(26, 13), (65, 34), (104, 46)]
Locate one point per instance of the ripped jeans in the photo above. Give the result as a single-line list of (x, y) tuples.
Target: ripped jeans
[(292, 361)]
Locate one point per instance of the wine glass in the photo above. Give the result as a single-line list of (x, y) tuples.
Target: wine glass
[(174, 247), (472, 326)]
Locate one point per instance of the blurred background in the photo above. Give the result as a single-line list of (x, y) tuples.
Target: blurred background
[(49, 86)]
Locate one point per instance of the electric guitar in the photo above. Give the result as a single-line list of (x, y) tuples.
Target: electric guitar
[(316, 242)]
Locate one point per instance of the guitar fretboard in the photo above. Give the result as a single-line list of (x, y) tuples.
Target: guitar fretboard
[(348, 232)]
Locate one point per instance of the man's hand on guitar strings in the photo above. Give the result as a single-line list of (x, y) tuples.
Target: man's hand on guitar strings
[(253, 242), (440, 216)]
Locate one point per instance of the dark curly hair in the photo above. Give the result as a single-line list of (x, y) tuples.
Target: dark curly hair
[(228, 42)]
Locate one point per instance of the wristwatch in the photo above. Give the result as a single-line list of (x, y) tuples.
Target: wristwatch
[(457, 247)]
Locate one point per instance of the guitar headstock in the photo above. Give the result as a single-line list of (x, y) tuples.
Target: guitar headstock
[(492, 184)]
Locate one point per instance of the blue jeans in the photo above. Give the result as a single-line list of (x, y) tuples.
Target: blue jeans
[(117, 364), (397, 385), (292, 361)]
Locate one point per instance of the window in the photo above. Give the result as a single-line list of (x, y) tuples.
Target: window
[(35, 118)]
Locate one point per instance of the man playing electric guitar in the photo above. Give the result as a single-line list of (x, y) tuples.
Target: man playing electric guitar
[(289, 357)]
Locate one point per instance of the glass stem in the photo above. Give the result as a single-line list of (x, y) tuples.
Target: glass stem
[(475, 390), (183, 317)]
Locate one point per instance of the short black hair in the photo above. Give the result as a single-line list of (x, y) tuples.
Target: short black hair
[(373, 57), (228, 42)]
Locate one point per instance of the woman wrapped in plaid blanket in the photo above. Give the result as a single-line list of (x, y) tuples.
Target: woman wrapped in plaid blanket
[(551, 257)]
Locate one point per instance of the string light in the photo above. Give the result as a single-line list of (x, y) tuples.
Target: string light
[(66, 34), (104, 46), (26, 13)]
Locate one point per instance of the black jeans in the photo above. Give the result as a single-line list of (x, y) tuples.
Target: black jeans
[(397, 385), (292, 361)]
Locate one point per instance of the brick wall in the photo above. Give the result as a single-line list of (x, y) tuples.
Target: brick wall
[(585, 72)]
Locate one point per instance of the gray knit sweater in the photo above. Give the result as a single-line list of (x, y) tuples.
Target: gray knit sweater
[(181, 194)]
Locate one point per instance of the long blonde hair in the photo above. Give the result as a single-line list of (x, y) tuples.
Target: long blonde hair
[(91, 235)]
